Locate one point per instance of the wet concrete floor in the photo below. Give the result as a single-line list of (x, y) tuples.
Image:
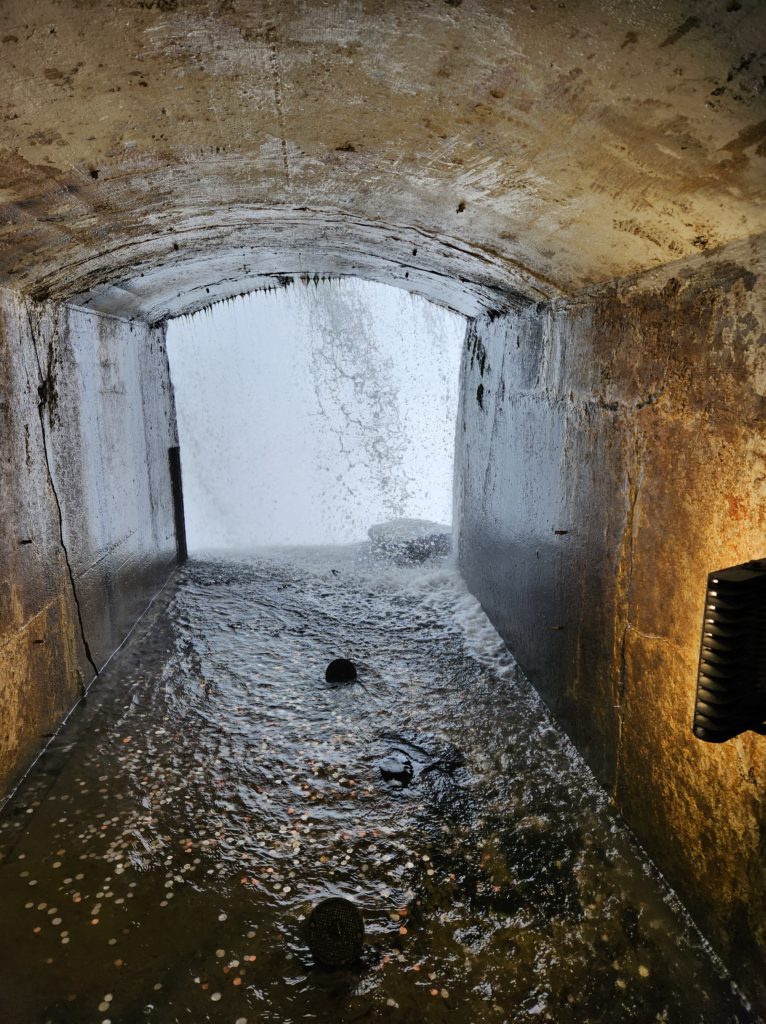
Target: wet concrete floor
[(159, 862)]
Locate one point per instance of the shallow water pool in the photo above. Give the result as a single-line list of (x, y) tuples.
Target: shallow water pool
[(160, 860)]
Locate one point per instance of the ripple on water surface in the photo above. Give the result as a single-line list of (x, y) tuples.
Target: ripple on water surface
[(161, 859)]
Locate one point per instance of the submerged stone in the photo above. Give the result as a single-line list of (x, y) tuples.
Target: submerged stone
[(396, 768)]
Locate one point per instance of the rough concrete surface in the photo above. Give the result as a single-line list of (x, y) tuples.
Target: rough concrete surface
[(87, 530), (156, 156), (41, 652), (612, 455), (506, 159), (110, 429)]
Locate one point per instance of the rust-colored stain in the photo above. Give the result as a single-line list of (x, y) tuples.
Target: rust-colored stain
[(738, 509), (38, 666)]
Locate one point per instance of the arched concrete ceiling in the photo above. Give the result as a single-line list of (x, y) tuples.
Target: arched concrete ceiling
[(156, 155)]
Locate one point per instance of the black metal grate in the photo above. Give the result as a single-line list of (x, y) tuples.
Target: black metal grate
[(335, 932), (731, 684)]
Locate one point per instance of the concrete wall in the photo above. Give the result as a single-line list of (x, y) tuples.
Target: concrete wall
[(86, 518), (611, 453), (457, 148)]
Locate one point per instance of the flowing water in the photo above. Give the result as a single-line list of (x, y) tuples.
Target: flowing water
[(159, 862)]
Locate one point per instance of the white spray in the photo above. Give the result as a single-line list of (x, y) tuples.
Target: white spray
[(308, 413)]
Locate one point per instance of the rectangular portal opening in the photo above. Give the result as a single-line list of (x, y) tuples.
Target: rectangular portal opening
[(313, 416)]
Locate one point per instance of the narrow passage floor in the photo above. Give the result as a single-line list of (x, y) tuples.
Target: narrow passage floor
[(159, 862)]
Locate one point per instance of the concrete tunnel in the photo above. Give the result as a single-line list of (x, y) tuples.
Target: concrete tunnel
[(584, 181)]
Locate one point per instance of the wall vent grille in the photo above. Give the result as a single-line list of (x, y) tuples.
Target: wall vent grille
[(731, 683)]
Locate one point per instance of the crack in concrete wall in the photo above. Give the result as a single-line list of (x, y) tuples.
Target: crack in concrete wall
[(44, 391), (276, 75), (623, 590), (87, 534)]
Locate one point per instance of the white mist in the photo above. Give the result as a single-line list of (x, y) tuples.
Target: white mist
[(307, 414)]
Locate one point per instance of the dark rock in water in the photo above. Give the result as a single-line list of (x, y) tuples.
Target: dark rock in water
[(341, 670), (396, 768), (438, 767), (427, 751), (410, 540), (432, 762), (335, 932)]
